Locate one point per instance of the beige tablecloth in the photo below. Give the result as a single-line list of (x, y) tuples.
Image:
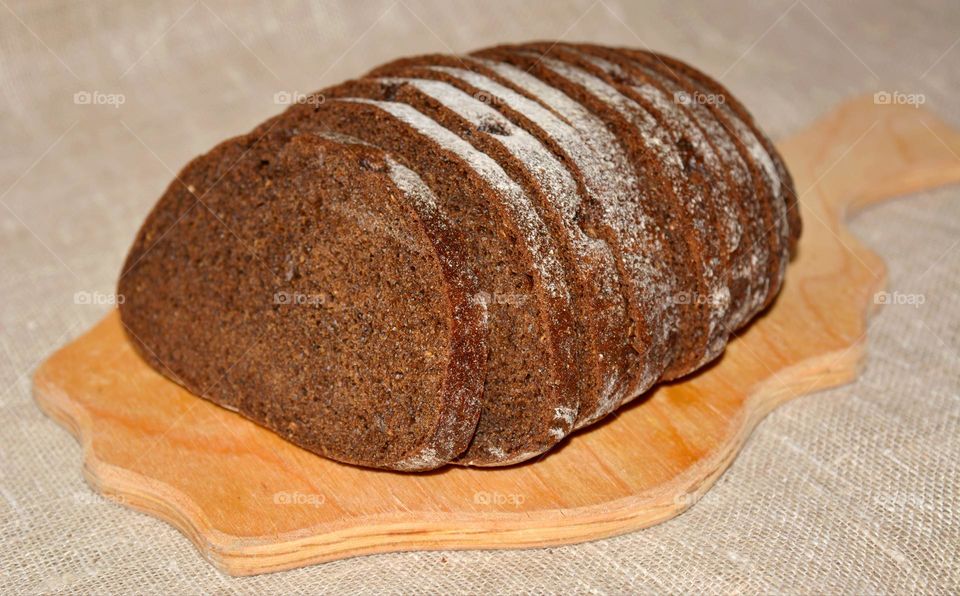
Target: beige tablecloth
[(852, 490)]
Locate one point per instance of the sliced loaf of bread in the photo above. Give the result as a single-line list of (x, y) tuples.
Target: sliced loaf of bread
[(462, 259)]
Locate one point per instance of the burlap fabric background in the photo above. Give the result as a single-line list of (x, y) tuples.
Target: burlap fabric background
[(852, 490)]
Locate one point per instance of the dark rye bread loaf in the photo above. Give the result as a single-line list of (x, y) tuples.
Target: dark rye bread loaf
[(461, 259)]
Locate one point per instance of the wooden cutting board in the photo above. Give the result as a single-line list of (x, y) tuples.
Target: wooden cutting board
[(253, 503)]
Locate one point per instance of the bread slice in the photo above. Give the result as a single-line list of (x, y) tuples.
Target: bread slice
[(770, 159), (644, 226), (775, 183), (316, 288), (552, 187), (641, 249), (657, 121), (529, 394), (749, 285), (567, 177), (709, 203)]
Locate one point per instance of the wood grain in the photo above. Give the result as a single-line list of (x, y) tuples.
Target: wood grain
[(253, 503)]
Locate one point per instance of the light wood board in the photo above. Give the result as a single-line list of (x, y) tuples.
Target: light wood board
[(254, 503)]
